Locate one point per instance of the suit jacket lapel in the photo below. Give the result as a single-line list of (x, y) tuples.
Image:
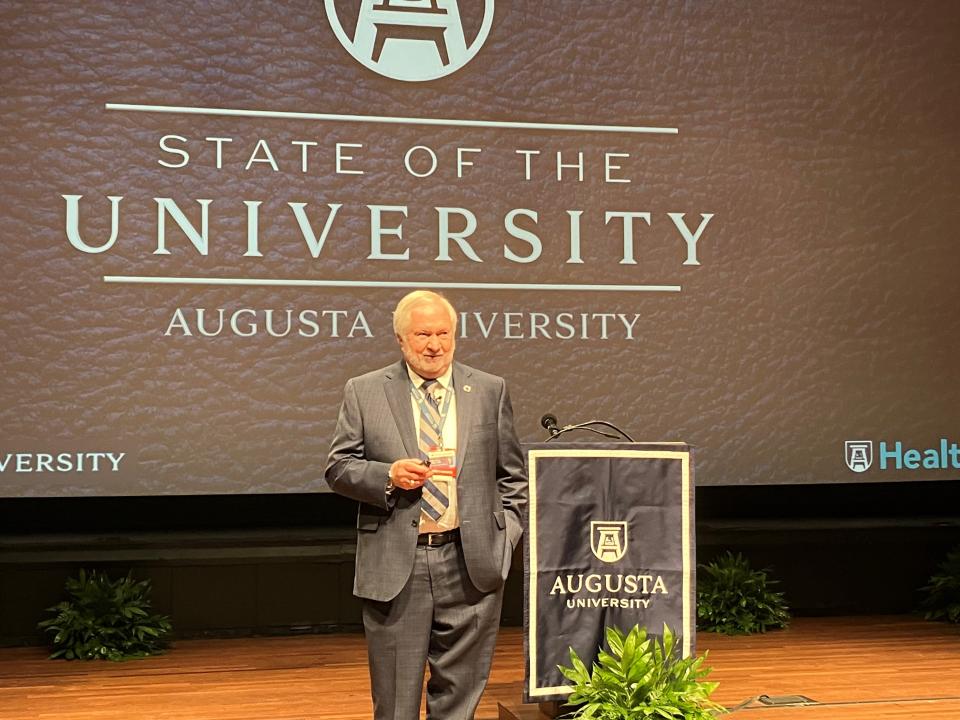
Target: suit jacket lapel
[(466, 406), (397, 388)]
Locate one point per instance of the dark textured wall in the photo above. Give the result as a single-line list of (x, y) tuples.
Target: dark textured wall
[(822, 136)]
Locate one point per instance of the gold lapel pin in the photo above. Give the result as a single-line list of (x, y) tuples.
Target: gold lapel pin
[(467, 388)]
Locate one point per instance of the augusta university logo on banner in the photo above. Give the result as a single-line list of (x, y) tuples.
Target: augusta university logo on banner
[(411, 40), (608, 539), (609, 542)]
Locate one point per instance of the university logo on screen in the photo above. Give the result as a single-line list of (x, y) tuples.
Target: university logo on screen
[(411, 40), (897, 455), (574, 242)]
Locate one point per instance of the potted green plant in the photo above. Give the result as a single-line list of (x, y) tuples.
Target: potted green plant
[(640, 676), (942, 594), (106, 619), (735, 599)]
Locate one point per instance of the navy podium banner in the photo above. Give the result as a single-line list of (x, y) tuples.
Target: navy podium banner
[(609, 541)]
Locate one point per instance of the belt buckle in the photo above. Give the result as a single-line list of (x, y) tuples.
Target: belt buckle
[(435, 539)]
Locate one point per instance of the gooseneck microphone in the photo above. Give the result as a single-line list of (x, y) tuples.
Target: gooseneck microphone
[(549, 423)]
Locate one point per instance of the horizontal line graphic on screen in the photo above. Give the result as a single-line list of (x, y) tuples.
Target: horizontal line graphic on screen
[(283, 282), (449, 122)]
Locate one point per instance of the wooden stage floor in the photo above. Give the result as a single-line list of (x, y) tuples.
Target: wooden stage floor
[(870, 668)]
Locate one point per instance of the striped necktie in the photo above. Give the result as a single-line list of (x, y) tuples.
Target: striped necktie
[(430, 431), (433, 502)]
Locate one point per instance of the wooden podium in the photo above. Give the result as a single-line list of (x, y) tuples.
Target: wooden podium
[(608, 541)]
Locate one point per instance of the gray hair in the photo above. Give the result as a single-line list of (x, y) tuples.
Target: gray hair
[(401, 315)]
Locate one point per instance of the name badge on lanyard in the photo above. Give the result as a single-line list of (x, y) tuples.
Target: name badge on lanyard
[(443, 461)]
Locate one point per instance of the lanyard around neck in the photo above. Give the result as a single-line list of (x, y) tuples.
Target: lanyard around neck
[(426, 416)]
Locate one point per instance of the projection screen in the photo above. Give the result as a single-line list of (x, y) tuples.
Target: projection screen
[(726, 223)]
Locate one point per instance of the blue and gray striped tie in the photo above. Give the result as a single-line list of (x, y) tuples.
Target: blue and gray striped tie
[(433, 502)]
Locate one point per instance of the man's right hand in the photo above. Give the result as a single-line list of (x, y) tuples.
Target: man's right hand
[(409, 473)]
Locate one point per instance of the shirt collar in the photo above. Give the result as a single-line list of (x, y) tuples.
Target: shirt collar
[(444, 380)]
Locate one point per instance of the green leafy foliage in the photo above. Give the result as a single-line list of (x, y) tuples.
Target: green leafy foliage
[(734, 599), (106, 619), (640, 677), (942, 595)]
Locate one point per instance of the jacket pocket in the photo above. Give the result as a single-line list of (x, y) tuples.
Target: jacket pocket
[(368, 523)]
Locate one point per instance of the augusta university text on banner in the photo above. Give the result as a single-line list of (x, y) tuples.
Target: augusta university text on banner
[(609, 542)]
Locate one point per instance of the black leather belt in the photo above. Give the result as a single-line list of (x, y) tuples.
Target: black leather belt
[(440, 538)]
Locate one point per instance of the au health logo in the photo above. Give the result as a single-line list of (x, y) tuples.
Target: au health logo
[(411, 40), (608, 539), (896, 455), (859, 455)]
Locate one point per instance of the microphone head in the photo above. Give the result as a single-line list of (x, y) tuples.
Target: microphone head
[(548, 421)]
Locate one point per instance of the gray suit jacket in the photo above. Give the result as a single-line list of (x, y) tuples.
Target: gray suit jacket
[(376, 427)]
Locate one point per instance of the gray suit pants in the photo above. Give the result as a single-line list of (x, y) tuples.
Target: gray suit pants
[(439, 620)]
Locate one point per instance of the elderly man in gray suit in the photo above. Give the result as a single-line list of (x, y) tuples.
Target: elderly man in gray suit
[(428, 449)]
